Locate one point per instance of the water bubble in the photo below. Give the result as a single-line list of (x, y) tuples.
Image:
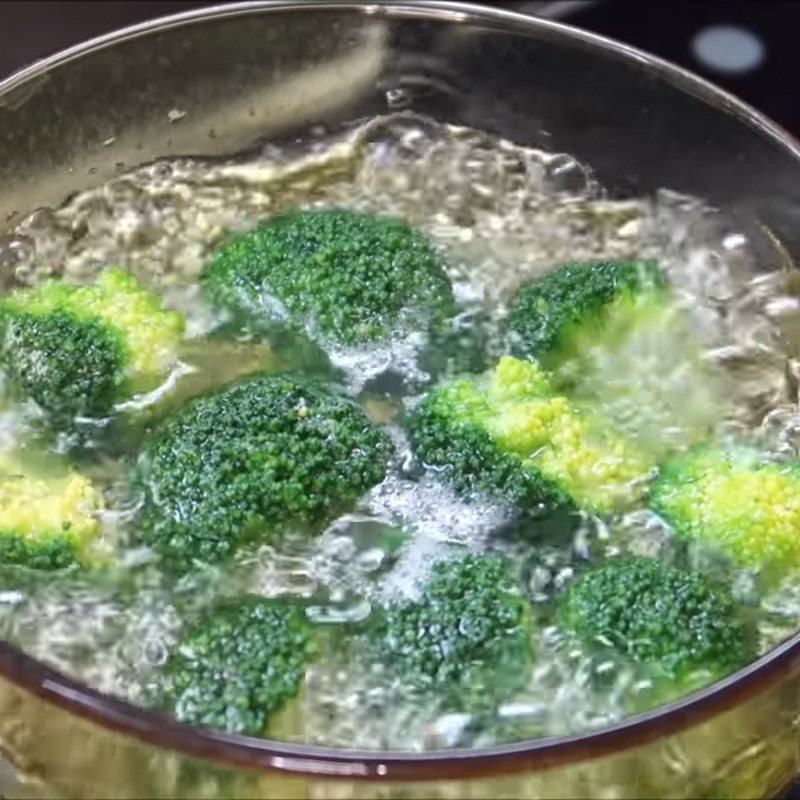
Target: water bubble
[(398, 98)]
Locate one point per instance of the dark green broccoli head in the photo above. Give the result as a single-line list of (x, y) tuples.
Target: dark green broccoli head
[(467, 639), (55, 553), (341, 276), (675, 620), (577, 299), (268, 452), (69, 367), (76, 350), (239, 665)]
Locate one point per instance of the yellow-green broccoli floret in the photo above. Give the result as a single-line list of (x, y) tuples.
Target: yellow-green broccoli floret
[(674, 621), (507, 433), (338, 275), (48, 521), (578, 301), (239, 665), (467, 638), (77, 350), (734, 502)]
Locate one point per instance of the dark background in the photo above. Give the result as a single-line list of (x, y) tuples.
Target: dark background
[(31, 29)]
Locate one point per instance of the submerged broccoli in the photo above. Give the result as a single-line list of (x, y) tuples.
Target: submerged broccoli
[(674, 620), (345, 277), (268, 452), (578, 300), (733, 501), (468, 637), (239, 665), (614, 339), (507, 434), (77, 350), (47, 521)]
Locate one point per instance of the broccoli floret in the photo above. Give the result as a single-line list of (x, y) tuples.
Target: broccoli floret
[(467, 639), (341, 276), (671, 619), (76, 350), (734, 502), (577, 300), (507, 433), (238, 665), (613, 338), (250, 460), (47, 521)]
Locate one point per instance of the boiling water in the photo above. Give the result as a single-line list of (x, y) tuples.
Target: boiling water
[(501, 214)]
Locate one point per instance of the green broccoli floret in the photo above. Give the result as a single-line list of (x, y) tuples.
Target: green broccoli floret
[(467, 639), (239, 665), (269, 452), (675, 621), (47, 521), (577, 301), (734, 502), (341, 276), (77, 350), (507, 434)]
